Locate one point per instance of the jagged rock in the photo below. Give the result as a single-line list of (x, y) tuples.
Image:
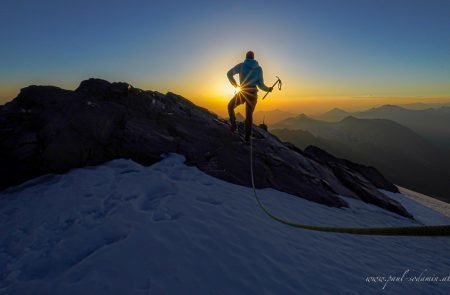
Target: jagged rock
[(370, 173), (359, 178), (263, 127), (50, 130)]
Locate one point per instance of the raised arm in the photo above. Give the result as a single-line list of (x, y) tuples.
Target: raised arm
[(235, 70), (260, 82)]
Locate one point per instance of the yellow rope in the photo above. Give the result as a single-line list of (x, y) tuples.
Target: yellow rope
[(428, 230)]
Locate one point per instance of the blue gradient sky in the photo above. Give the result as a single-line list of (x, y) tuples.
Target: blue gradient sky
[(321, 49)]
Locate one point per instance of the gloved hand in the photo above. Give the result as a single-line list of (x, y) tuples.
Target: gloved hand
[(270, 89)]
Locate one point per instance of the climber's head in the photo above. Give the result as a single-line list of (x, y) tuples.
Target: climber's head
[(250, 55)]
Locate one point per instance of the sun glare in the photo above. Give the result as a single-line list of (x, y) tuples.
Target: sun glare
[(226, 90)]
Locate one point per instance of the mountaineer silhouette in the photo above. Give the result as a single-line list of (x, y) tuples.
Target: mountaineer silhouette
[(47, 130), (250, 78)]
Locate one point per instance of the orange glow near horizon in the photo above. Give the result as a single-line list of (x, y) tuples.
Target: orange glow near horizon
[(210, 88), (297, 96), (310, 105), (307, 98)]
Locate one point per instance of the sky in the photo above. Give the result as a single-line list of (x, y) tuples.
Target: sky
[(348, 54)]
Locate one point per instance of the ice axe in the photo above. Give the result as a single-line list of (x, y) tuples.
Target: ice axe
[(275, 84)]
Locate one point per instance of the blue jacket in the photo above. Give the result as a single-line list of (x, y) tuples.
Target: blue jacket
[(250, 75)]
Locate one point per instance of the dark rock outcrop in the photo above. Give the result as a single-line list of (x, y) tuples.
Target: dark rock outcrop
[(350, 174), (50, 130), (369, 173)]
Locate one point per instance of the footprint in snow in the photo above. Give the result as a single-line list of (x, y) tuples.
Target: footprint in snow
[(156, 206)]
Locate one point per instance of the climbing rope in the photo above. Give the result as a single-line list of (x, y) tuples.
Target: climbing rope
[(427, 230)]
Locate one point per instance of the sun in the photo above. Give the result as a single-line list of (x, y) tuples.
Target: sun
[(220, 88), (225, 89)]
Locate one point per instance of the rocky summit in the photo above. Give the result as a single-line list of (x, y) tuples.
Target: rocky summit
[(48, 130)]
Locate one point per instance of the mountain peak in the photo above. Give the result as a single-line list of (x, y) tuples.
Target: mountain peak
[(390, 107), (351, 119), (337, 111), (304, 116), (102, 121), (97, 86)]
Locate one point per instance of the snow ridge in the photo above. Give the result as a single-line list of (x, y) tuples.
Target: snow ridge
[(122, 228)]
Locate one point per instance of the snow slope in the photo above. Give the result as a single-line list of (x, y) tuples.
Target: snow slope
[(122, 228)]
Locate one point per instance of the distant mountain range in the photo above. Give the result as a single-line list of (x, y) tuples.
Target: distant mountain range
[(268, 117), (423, 106), (271, 117), (401, 154), (432, 124)]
